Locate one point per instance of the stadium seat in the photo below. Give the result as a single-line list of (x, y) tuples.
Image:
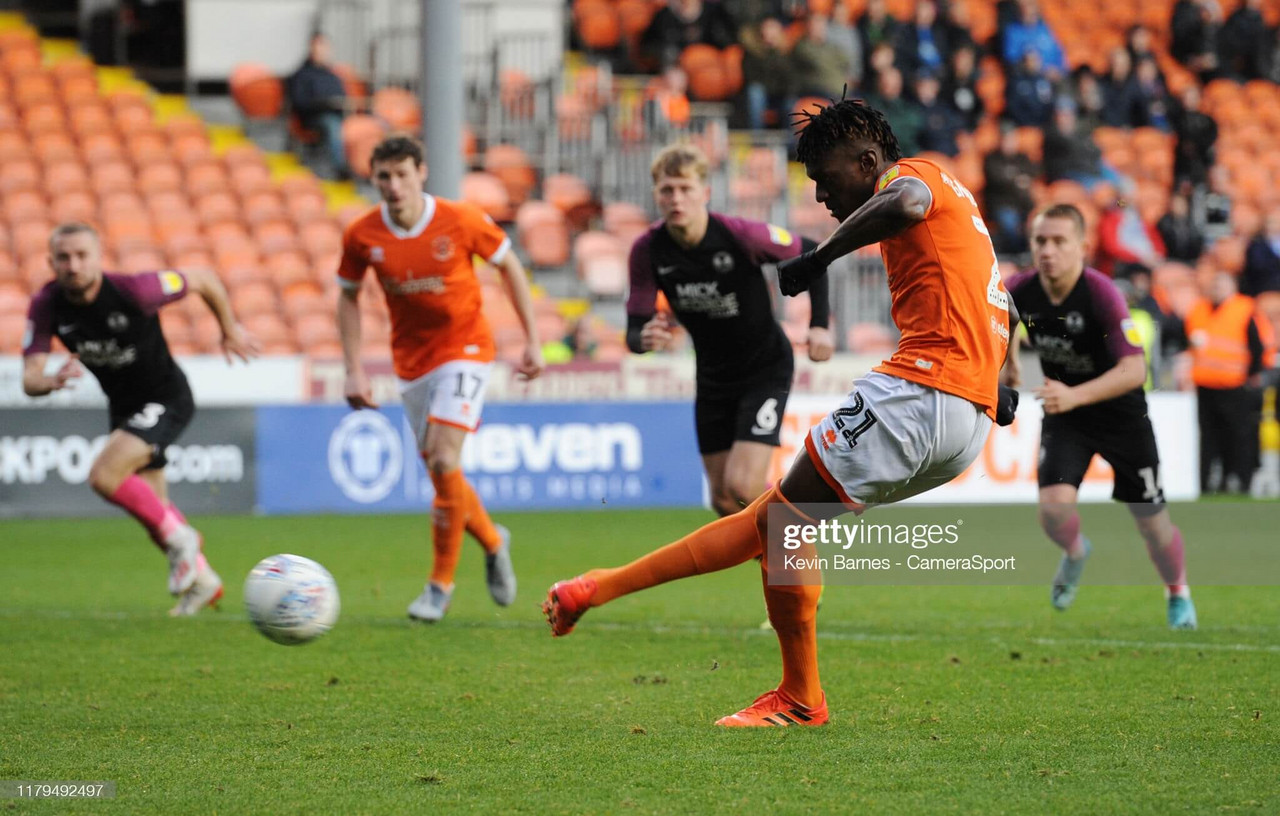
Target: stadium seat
[(275, 235), (605, 275), (360, 134), (320, 238), (870, 338), (512, 167), (597, 25), (214, 207), (315, 329), (75, 205), (264, 205), (19, 175), (110, 177), (101, 147), (399, 108), (258, 93), (159, 177), (488, 193)]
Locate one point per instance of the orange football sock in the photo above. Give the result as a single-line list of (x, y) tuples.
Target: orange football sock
[(723, 543), (448, 522), (793, 611), (478, 522)]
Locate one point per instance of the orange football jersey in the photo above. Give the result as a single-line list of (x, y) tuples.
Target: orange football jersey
[(427, 274), (948, 299)]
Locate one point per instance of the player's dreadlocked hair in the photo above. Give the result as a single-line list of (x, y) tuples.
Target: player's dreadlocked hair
[(833, 124)]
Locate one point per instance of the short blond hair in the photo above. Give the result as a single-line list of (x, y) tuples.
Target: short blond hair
[(678, 160), (71, 228)]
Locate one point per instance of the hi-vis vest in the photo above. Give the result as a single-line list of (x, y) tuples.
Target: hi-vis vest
[(1219, 342), (1150, 337)]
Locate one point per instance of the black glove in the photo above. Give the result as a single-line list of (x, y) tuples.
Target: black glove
[(1006, 405), (796, 274)]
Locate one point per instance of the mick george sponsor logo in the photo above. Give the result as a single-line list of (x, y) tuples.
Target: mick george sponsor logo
[(38, 459)]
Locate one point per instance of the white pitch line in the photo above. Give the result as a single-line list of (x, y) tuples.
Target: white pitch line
[(1004, 641)]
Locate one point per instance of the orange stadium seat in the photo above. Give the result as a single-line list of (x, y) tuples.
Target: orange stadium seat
[(144, 260), (76, 205), (44, 118), (78, 89), (25, 205), (487, 192), (250, 178), (258, 93), (303, 298), (111, 176), (624, 218), (598, 26), (100, 147), (19, 175), (50, 147), (253, 298), (320, 238), (264, 205), (572, 196), (360, 134), (190, 148), (159, 177), (65, 176), (306, 205), (287, 266), (512, 167), (314, 329), (357, 91), (398, 107), (217, 206), (275, 236)]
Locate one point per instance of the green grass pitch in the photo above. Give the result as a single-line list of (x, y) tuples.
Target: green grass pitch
[(943, 700)]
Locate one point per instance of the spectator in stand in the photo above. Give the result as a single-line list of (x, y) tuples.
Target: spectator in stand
[(1090, 100), (904, 115), (1197, 132), (318, 98), (1007, 195), (1152, 98), (1182, 239), (958, 26), (1140, 42), (768, 73), (1195, 36), (924, 41), (1119, 90), (960, 88), (1029, 31), (877, 27), (1231, 346), (1262, 259), (1028, 93), (822, 67), (1069, 150), (681, 24), (669, 96), (940, 122), (1126, 243), (842, 33), (1244, 45), (1006, 15), (751, 13), (1211, 204), (881, 59)]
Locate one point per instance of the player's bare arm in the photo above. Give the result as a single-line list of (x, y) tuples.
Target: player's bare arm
[(517, 286), (235, 340), (355, 388), (1129, 373), (890, 212), (1011, 371), (35, 383)]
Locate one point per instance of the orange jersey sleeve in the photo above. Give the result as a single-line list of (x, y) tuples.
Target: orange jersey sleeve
[(947, 297), (426, 272)]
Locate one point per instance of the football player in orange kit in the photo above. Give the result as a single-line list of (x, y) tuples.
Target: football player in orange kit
[(913, 423), (421, 249)]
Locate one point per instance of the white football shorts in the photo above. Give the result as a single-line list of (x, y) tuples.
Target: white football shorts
[(449, 394), (892, 438)]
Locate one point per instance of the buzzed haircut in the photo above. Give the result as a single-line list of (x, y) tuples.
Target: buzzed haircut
[(678, 160), (70, 228), (1068, 211), (824, 127), (397, 148)]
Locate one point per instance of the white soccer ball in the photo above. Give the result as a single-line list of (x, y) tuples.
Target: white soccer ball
[(291, 599)]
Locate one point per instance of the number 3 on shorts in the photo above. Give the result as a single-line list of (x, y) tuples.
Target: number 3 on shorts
[(147, 417)]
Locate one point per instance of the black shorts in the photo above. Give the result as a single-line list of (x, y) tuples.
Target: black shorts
[(1129, 446), (159, 423), (753, 414)]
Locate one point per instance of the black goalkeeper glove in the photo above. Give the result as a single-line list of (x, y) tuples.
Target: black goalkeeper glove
[(1006, 405), (796, 274)]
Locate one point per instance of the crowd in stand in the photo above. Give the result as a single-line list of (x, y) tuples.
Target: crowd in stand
[(924, 73)]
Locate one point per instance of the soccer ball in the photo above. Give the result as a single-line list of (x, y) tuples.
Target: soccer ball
[(291, 599)]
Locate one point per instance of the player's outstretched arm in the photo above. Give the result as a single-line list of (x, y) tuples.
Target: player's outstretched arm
[(35, 383), (894, 210), (235, 340), (517, 286), (889, 212), (356, 387)]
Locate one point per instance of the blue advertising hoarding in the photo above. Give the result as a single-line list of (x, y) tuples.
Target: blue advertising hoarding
[(524, 456)]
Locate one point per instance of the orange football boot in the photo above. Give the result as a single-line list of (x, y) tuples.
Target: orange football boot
[(566, 602), (773, 708)]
